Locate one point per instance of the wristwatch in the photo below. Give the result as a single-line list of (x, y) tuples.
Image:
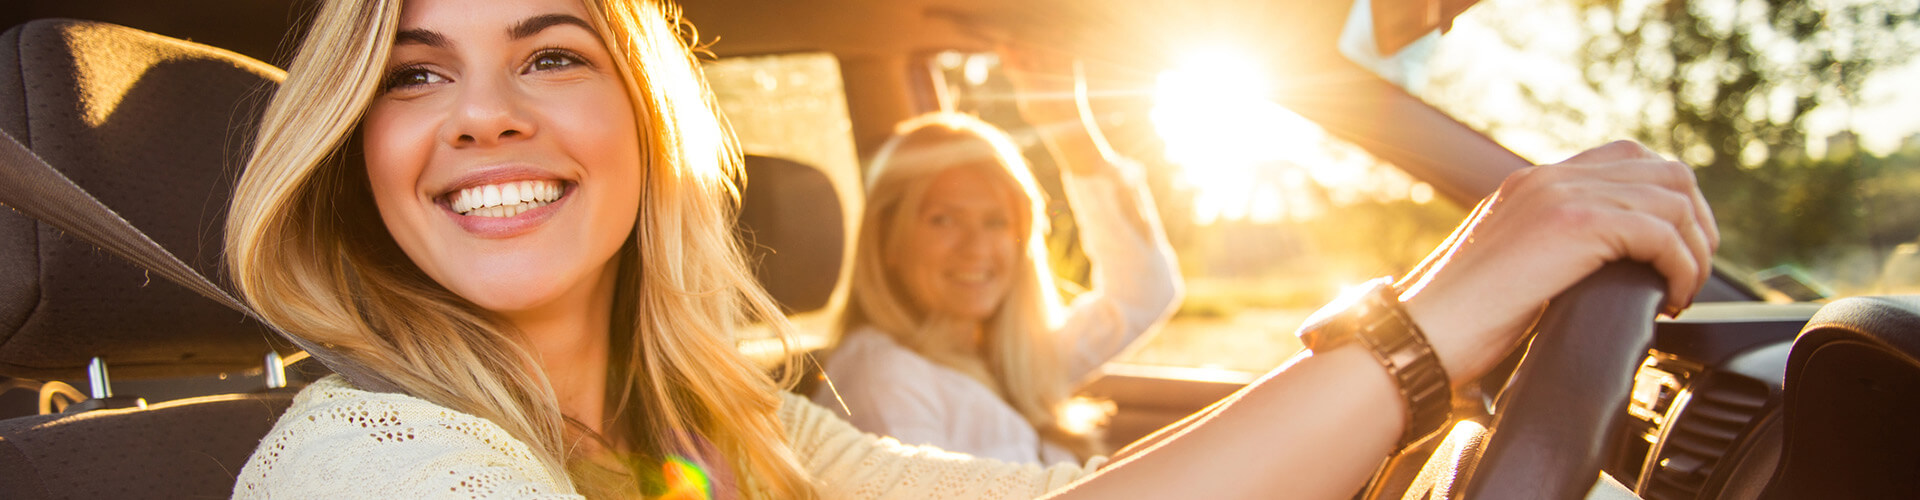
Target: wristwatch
[(1371, 314)]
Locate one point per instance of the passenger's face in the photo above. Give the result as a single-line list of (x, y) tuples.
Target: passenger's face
[(957, 258), (502, 150)]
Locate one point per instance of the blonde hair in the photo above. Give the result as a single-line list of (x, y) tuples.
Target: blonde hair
[(307, 250), (1019, 344)]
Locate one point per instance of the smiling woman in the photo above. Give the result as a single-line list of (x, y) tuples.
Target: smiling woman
[(508, 225), (456, 300)]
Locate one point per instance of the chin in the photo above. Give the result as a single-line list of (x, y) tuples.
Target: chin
[(505, 292)]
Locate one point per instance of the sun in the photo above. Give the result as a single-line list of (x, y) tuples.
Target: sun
[(1215, 111)]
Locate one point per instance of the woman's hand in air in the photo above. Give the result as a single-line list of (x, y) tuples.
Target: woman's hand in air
[(1545, 229), (1050, 89)]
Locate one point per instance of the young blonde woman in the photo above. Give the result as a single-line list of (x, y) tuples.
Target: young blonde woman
[(953, 334), (506, 223)]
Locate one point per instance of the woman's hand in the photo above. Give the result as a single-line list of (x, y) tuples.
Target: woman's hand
[(1051, 91), (1545, 229)]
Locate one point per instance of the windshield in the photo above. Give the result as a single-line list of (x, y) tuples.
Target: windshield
[(1269, 215), (1793, 115)]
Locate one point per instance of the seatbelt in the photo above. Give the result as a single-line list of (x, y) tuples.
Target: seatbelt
[(31, 186)]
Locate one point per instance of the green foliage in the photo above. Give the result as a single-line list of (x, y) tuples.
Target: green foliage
[(1730, 85)]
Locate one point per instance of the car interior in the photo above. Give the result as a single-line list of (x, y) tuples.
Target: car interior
[(146, 106)]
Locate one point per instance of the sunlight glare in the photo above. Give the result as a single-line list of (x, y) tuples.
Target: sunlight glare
[(1220, 124), (1083, 415)]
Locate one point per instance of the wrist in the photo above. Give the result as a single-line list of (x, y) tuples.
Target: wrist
[(1372, 317), (1444, 333)]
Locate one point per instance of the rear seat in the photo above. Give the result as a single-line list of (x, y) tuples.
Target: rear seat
[(156, 129)]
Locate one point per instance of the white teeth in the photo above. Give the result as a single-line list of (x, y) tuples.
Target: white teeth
[(505, 199), (490, 195), (509, 192)]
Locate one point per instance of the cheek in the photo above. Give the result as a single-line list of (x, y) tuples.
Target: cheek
[(396, 150), (604, 138)]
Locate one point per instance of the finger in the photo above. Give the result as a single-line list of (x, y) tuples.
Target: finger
[(1673, 175), (1614, 151), (1675, 208), (1646, 238)]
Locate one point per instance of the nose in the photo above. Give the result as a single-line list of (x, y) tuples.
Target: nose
[(979, 240), (487, 113)]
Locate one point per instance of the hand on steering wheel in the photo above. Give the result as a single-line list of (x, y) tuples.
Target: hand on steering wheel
[(1545, 229)]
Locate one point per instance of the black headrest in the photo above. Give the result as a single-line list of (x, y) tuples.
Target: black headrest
[(791, 220), (154, 127)]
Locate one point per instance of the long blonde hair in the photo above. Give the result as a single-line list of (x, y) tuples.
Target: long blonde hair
[(1019, 345), (305, 248)]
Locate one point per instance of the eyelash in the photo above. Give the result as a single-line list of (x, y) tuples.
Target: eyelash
[(572, 58), (394, 78)]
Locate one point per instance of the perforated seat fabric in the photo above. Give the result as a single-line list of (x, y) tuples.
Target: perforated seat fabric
[(153, 127)]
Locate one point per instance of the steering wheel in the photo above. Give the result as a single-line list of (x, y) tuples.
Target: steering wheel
[(1554, 424)]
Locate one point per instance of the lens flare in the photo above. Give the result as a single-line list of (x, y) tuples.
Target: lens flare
[(686, 480)]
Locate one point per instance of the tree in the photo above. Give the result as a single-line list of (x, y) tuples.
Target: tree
[(1727, 86)]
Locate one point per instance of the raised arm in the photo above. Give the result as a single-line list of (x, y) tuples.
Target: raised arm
[(1136, 280)]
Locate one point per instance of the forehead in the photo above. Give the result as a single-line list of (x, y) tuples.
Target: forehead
[(970, 186), (489, 16)]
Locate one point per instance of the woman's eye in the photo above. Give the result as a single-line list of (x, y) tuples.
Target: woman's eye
[(553, 60), (997, 223), (411, 76), (940, 220)]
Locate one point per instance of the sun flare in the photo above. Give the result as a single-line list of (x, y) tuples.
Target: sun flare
[(1245, 156)]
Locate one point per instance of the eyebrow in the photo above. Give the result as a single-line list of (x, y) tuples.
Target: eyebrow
[(523, 29), (536, 24)]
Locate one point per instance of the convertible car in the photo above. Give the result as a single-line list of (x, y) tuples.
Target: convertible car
[(1293, 147)]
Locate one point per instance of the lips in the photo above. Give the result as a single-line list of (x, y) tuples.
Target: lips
[(504, 202), (971, 278)]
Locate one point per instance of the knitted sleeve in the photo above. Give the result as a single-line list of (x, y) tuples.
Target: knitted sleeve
[(339, 442), (849, 464)]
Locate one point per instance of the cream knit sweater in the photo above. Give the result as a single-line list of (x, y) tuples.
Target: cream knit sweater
[(340, 442)]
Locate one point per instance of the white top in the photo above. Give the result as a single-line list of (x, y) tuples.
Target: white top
[(337, 441), (891, 390)]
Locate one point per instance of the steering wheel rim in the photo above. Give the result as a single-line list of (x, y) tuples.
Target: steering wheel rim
[(1554, 424)]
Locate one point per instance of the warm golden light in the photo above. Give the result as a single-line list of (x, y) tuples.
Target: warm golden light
[(1248, 158), (1083, 415)]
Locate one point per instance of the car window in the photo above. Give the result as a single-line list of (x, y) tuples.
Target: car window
[(1797, 117), (1270, 216), (791, 106)]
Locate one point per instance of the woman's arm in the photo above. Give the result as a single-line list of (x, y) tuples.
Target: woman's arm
[(1136, 280), (1317, 427)]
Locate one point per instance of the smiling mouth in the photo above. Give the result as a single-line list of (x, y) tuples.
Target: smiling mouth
[(971, 278), (505, 199)]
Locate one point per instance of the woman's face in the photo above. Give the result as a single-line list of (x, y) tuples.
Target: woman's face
[(503, 151), (957, 258)]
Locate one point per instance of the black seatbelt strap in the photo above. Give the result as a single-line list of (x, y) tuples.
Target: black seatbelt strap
[(35, 188)]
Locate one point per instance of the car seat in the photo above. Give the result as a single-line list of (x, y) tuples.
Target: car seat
[(148, 125), (156, 128), (1851, 395)]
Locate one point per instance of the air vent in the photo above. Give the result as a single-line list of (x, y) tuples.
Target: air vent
[(1707, 425)]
